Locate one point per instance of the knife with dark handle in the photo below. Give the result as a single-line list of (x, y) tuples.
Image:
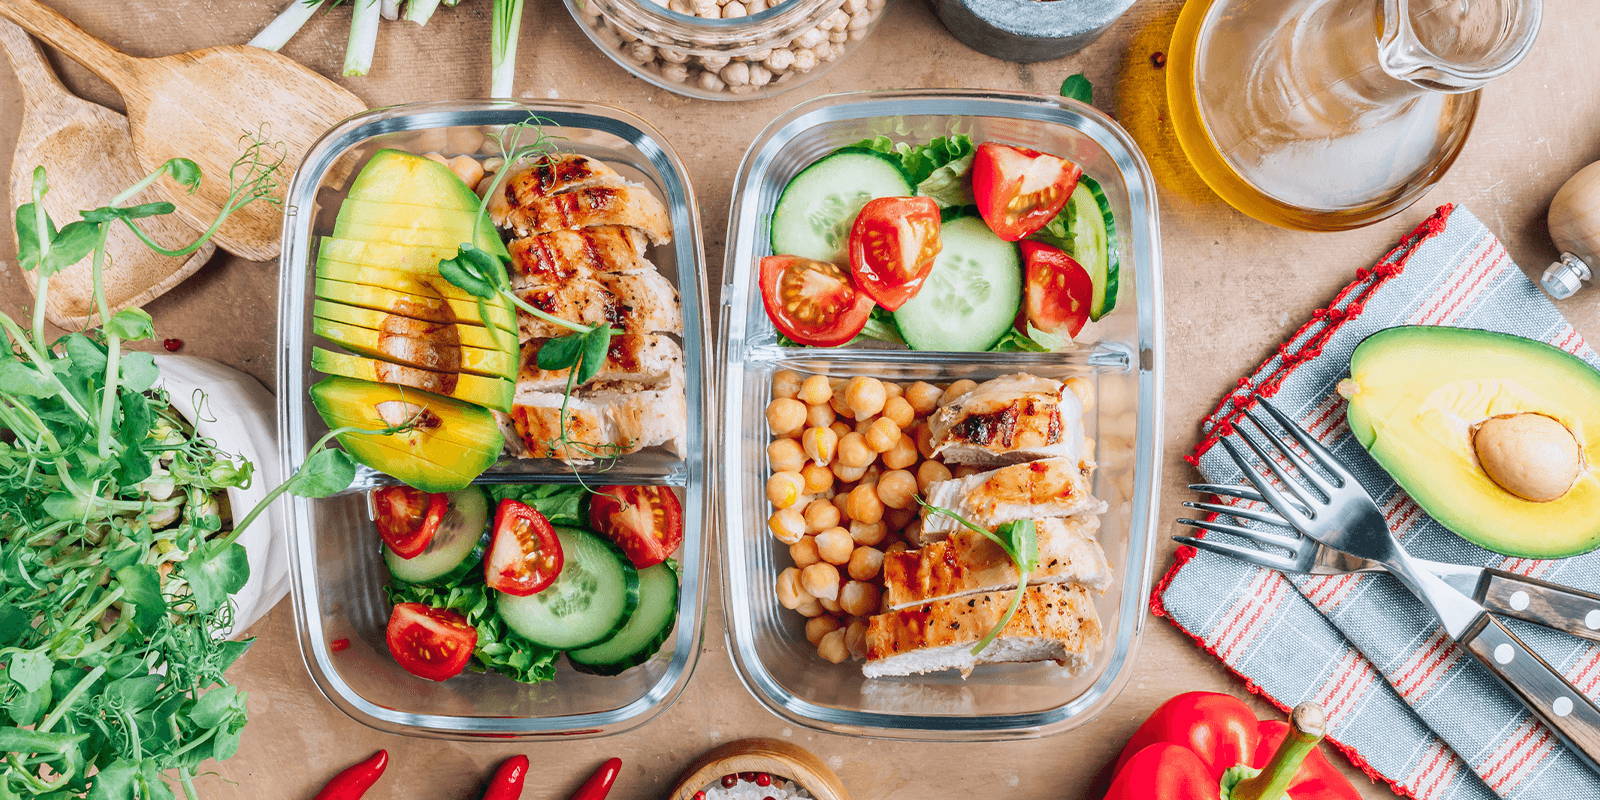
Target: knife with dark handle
[(1563, 608)]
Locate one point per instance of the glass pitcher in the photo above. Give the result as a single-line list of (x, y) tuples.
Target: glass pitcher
[(1332, 114)]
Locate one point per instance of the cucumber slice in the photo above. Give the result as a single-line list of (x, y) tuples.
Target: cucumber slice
[(456, 548), (971, 297), (590, 601), (649, 627), (817, 208), (1094, 237)]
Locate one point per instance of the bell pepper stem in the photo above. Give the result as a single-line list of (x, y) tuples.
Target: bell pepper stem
[(1307, 725)]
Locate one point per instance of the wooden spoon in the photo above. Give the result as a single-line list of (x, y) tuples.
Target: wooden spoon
[(198, 105), (88, 154)]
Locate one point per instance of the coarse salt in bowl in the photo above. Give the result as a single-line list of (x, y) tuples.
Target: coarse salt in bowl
[(742, 789)]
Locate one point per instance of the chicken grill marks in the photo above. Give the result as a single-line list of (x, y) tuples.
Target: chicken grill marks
[(998, 429)]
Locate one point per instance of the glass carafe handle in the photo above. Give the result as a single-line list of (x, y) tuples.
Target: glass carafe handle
[(1456, 45)]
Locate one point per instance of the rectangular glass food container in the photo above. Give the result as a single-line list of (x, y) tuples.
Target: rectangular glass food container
[(1122, 355), (337, 571)]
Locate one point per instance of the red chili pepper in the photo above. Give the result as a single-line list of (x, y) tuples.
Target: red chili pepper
[(506, 783), (1209, 746), (356, 779), (599, 784), (339, 645)]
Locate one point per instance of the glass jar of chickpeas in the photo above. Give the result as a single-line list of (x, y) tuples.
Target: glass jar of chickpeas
[(849, 457), (726, 49)]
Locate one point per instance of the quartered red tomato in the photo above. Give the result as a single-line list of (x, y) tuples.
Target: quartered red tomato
[(812, 302), (892, 247), (645, 521), (432, 643), (408, 518), (524, 553), (1058, 290), (1019, 190)]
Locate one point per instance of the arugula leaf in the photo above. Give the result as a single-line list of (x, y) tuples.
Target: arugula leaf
[(1077, 87)]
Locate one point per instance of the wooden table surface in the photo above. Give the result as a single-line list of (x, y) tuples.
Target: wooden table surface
[(1234, 288)]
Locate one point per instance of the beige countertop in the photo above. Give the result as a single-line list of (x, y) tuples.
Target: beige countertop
[(1234, 287)]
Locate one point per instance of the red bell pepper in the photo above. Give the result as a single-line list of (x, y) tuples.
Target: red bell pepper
[(1209, 746)]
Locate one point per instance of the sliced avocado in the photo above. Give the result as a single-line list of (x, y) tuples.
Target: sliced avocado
[(423, 283), (421, 456), (442, 352), (400, 177), (1424, 401), (424, 260), (409, 237), (415, 301), (399, 325), (409, 200), (492, 393)]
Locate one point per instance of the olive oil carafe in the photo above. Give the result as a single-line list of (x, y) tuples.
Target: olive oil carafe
[(1332, 114)]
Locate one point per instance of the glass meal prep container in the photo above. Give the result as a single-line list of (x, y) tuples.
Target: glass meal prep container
[(337, 571), (1122, 357), (726, 49)]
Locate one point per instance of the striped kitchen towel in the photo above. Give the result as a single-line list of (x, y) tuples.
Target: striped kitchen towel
[(1404, 704)]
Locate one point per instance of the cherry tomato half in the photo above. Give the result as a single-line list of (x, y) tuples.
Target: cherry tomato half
[(892, 247), (645, 521), (524, 554), (812, 302), (432, 643), (1020, 190), (408, 518), (1058, 291)]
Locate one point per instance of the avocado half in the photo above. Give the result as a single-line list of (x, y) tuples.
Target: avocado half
[(449, 445), (1418, 397)]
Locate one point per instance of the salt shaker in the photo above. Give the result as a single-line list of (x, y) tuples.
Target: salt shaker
[(1574, 222)]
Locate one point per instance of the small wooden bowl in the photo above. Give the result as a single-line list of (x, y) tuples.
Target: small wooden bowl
[(771, 756)]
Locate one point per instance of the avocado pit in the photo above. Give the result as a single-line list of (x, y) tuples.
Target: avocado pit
[(1530, 455)]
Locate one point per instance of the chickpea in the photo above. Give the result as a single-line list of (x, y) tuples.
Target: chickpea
[(892, 390), (855, 638), (837, 403), (864, 425), (786, 416), (859, 598), (830, 606), (865, 563), (956, 390), (787, 525), (869, 534), (784, 488), (835, 545), (804, 552), (437, 156), (790, 593), (929, 472), (854, 451), (819, 443), (865, 396), (863, 504), (840, 499), (467, 168), (882, 435), (899, 410), (902, 455), (847, 474), (816, 390), (785, 455), (896, 519), (896, 546), (912, 532), (967, 470), (809, 607), (821, 515), (817, 627), (923, 397), (1084, 389), (896, 488), (821, 580), (820, 416), (832, 647), (785, 383), (841, 428)]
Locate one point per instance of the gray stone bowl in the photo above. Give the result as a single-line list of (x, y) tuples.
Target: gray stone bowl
[(1028, 30)]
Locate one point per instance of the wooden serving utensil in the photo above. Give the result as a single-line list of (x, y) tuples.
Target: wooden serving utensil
[(88, 153), (198, 105), (771, 756)]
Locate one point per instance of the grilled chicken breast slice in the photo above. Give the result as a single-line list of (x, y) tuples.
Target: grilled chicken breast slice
[(1010, 419), (967, 563), (643, 302), (1054, 622), (630, 205), (1051, 487), (643, 359), (558, 256), (616, 420), (548, 176)]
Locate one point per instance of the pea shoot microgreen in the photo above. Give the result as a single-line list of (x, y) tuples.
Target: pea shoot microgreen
[(1019, 540)]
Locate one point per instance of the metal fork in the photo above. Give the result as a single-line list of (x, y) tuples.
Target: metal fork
[(1332, 508), (1508, 594)]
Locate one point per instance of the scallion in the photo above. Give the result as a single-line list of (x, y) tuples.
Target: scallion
[(364, 21), (507, 25), (283, 27)]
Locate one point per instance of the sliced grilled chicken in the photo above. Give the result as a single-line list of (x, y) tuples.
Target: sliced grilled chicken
[(643, 359), (559, 256), (613, 421), (548, 176), (634, 206), (1009, 419), (1055, 622), (967, 563), (643, 302), (1051, 487)]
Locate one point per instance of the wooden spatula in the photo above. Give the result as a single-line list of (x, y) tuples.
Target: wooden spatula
[(198, 105), (88, 154)]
